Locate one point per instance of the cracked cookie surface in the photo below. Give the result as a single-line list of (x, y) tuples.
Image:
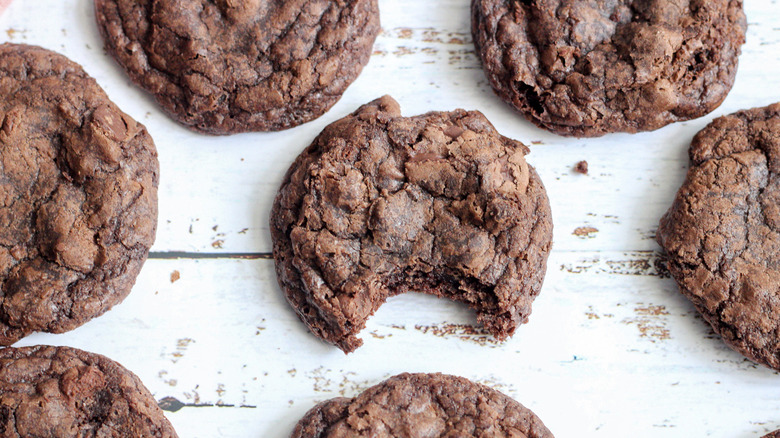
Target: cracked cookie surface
[(78, 195), (226, 66), (588, 68), (382, 204), (63, 392), (423, 405), (722, 232)]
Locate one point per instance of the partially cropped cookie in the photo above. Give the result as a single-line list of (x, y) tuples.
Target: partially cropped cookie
[(417, 405), (775, 434), (588, 68), (62, 392), (227, 66), (722, 233), (78, 184), (382, 204)]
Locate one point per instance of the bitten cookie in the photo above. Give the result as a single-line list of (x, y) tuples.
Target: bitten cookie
[(588, 68), (381, 204), (722, 233), (225, 66), (78, 184), (62, 392), (415, 405)]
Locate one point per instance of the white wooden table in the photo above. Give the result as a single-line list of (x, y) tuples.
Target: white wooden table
[(611, 350)]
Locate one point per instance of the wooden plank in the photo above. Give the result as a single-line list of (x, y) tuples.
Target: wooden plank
[(424, 58), (612, 348), (607, 350)]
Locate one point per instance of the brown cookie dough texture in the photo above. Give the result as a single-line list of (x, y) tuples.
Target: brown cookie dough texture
[(775, 434), (226, 66), (586, 68), (381, 204), (62, 392), (78, 195), (722, 233), (423, 405)]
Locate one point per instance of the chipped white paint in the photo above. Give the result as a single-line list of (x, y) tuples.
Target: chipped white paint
[(612, 349)]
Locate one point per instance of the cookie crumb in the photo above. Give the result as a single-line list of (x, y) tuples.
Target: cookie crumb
[(175, 276), (581, 167)]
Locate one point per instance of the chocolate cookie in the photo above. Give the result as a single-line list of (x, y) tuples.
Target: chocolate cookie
[(78, 181), (226, 66), (775, 434), (588, 68), (381, 204), (722, 233), (416, 405), (62, 392)]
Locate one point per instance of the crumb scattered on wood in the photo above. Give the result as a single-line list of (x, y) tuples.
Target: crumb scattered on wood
[(175, 276), (581, 167)]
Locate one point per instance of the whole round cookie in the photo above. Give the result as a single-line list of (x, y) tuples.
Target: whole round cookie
[(227, 66), (62, 392), (722, 233), (78, 183), (381, 204), (416, 405), (588, 68)]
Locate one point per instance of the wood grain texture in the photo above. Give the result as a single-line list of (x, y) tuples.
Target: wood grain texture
[(611, 350)]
